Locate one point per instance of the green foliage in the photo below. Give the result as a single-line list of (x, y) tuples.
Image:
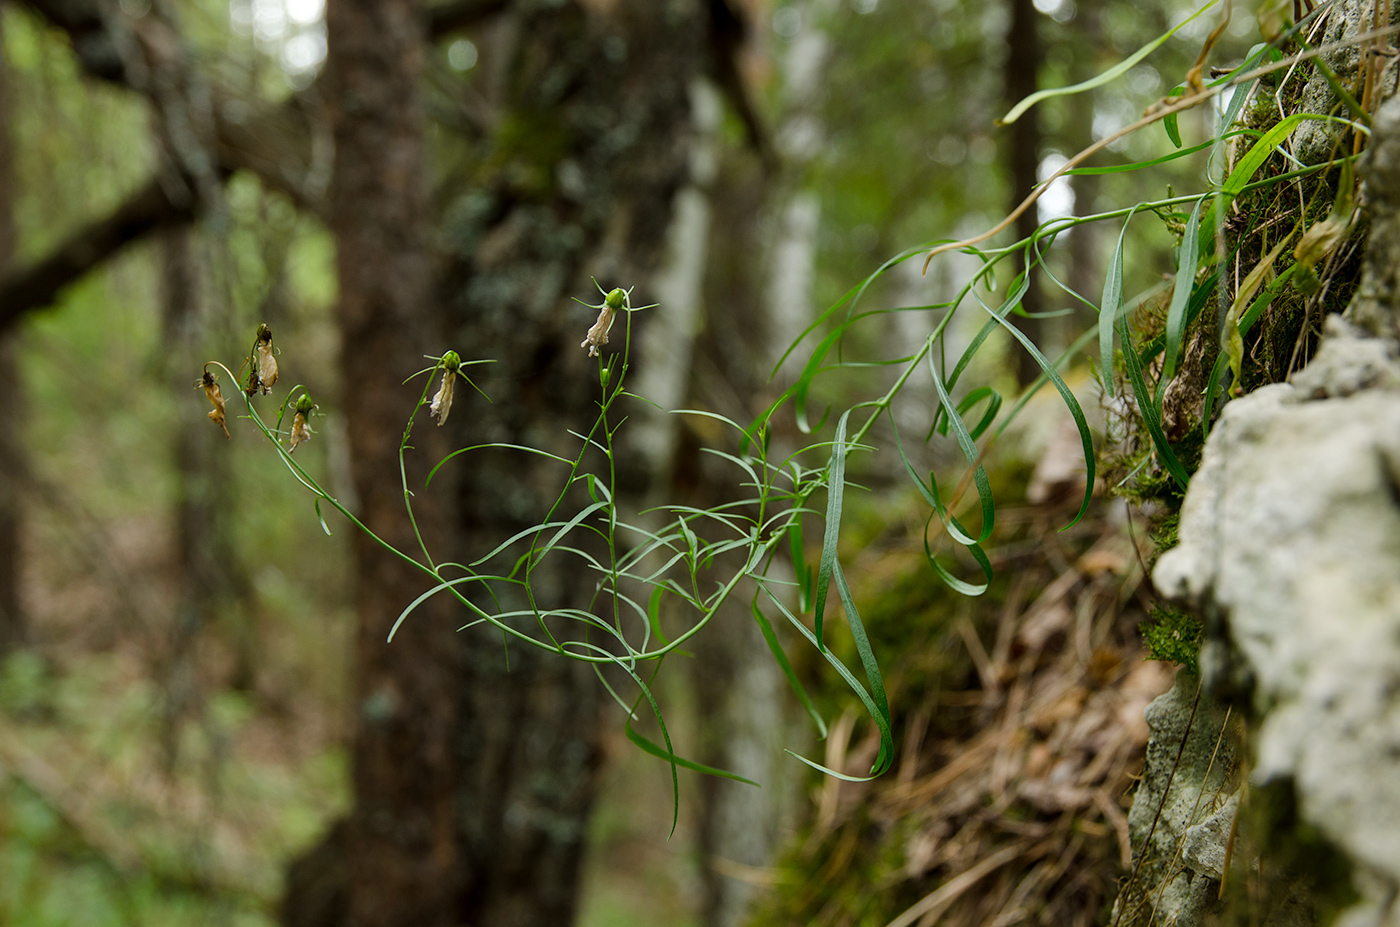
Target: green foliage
[(682, 561), (1173, 636), (92, 832)]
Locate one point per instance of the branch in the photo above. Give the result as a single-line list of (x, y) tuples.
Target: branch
[(279, 143), (273, 141), (37, 285)]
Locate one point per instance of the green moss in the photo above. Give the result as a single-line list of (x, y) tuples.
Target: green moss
[(845, 880), (1173, 636)]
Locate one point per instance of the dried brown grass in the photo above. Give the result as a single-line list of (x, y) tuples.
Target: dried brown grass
[(1016, 812)]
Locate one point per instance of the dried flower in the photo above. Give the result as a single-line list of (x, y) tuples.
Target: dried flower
[(442, 402), (598, 334), (211, 391), (265, 367), (301, 431)]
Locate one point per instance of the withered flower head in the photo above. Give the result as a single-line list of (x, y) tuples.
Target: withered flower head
[(598, 334), (442, 402), (301, 431), (265, 364), (211, 391)]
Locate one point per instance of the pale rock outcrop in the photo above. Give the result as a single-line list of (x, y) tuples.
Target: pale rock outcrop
[(1290, 544)]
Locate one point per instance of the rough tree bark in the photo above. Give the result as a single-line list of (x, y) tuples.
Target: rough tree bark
[(600, 119), (402, 862)]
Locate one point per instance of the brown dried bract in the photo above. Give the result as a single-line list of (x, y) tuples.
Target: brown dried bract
[(211, 391), (265, 367), (300, 431)]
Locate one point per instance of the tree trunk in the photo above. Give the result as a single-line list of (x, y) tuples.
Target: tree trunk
[(13, 631), (475, 763), (602, 112), (1022, 71), (403, 862)]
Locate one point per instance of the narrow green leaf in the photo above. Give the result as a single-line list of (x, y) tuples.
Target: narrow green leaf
[(412, 606), (1200, 298), (478, 447), (835, 488), (1148, 408), (967, 402), (805, 379), (885, 756), (1111, 305), (962, 587), (1169, 123), (781, 658), (928, 495), (322, 519), (1181, 293), (654, 613), (1013, 299), (566, 527), (669, 754), (1086, 438), (1155, 162), (970, 452), (881, 722), (657, 751), (1112, 74)]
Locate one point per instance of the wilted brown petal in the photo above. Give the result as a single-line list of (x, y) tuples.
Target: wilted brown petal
[(442, 402), (211, 391), (598, 334), (267, 365), (300, 431)]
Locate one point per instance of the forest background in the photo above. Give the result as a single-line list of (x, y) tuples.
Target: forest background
[(202, 721)]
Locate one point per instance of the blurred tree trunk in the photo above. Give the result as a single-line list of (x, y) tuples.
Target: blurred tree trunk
[(1084, 263), (199, 465), (403, 863), (1023, 57), (207, 571), (599, 113), (742, 693), (13, 631), (474, 764)]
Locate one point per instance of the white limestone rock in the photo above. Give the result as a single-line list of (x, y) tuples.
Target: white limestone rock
[(1290, 534)]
